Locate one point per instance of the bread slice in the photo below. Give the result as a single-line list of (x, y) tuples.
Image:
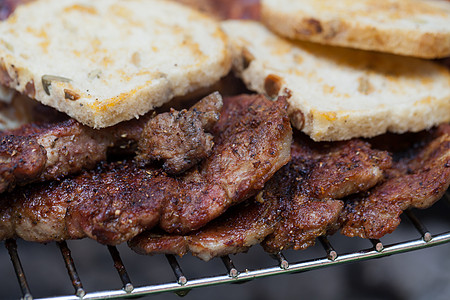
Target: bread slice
[(339, 93), (407, 27), (106, 61)]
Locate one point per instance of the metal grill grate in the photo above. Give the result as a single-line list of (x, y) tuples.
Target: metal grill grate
[(182, 284)]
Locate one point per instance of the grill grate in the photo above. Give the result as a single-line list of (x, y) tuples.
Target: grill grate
[(182, 285)]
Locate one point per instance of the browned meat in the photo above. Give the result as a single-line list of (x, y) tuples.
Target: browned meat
[(115, 202), (69, 147), (253, 138), (65, 148), (415, 182), (179, 138), (241, 227), (13, 166), (290, 211), (340, 169), (120, 196)]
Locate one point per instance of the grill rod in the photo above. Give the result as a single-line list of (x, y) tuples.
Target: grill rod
[(426, 235), (232, 271), (282, 262), (181, 279), (11, 245), (377, 245), (70, 265), (181, 289), (312, 264), (120, 267), (331, 253)]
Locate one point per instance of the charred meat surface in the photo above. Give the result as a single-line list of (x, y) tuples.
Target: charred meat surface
[(20, 158), (335, 171), (69, 147), (289, 212), (415, 181), (252, 141), (116, 201), (179, 138), (241, 227)]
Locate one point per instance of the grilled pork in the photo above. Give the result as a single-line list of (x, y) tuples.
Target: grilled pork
[(116, 201), (294, 208), (49, 151), (416, 181)]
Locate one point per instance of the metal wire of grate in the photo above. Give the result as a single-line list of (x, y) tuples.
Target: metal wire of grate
[(182, 284)]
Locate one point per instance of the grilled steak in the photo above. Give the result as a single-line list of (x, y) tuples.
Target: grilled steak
[(241, 227), (417, 181), (179, 138), (49, 151), (292, 210), (116, 201), (343, 169)]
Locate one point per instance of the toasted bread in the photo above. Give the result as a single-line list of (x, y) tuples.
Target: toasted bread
[(408, 27), (106, 61), (338, 93)]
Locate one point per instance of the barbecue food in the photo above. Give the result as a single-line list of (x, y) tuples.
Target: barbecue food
[(297, 205), (415, 182), (106, 61), (406, 27), (336, 93), (179, 138), (49, 151), (116, 201), (294, 208), (241, 227), (336, 171)]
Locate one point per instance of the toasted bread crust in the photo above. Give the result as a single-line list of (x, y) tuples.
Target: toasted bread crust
[(404, 27), (337, 93), (106, 61)]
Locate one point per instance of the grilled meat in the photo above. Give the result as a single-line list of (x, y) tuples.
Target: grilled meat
[(253, 137), (291, 211), (44, 152), (344, 169), (241, 227), (60, 149), (20, 158), (415, 182), (179, 138), (116, 201)]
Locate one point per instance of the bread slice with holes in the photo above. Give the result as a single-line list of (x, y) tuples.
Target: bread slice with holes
[(339, 93), (408, 27), (106, 61)]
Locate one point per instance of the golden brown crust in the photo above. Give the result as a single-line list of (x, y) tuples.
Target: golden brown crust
[(341, 29), (94, 78)]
